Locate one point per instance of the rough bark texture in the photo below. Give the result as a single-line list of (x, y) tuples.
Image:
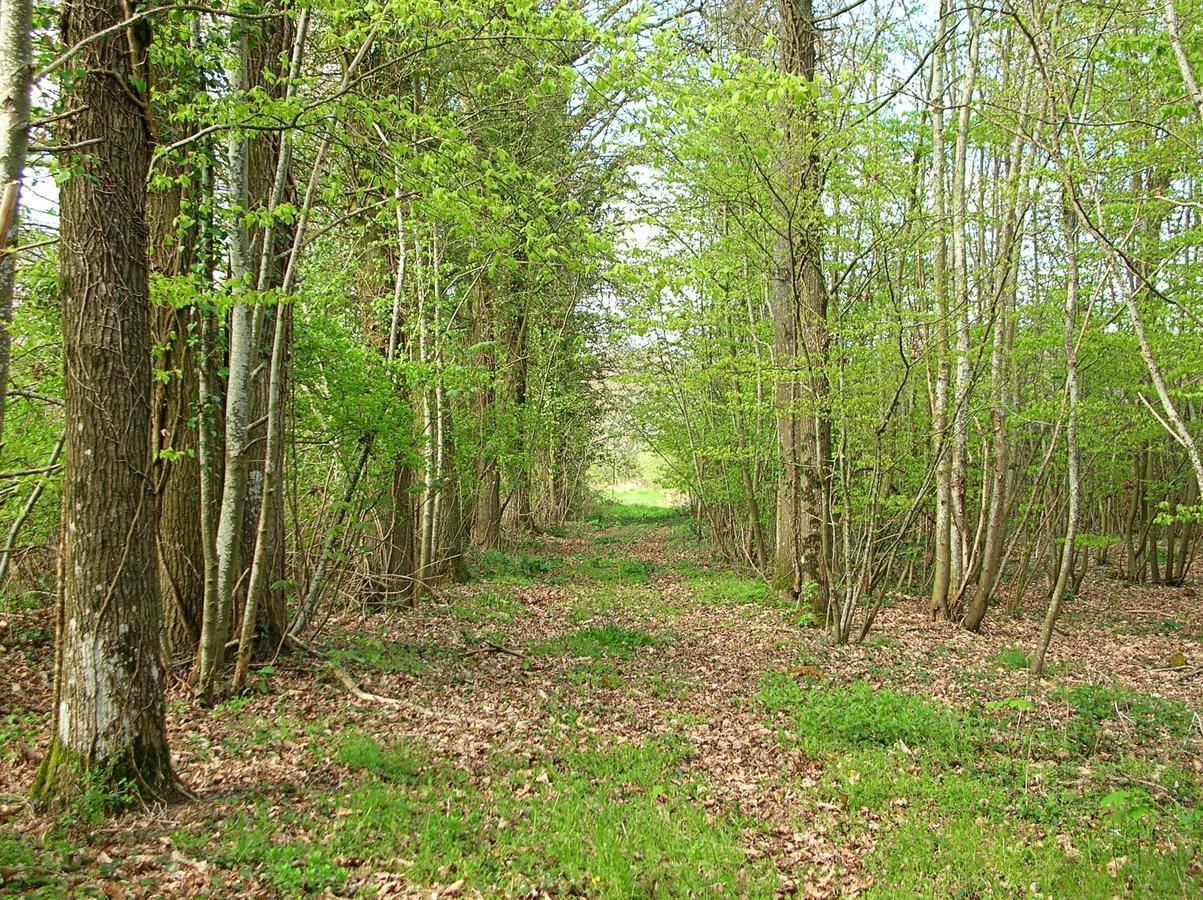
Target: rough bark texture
[(266, 68), (801, 337), (486, 507), (108, 710), (173, 418)]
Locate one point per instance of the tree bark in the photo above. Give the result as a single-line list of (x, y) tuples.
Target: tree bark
[(267, 71), (1071, 440), (218, 609), (174, 405), (16, 69), (960, 414), (109, 728), (801, 338), (942, 546)]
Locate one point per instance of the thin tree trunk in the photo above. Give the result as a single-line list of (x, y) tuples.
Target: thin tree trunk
[(960, 415), (1184, 66), (16, 69), (1071, 440), (11, 541), (219, 610), (942, 574)]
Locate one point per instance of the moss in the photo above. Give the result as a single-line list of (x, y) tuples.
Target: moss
[(137, 772)]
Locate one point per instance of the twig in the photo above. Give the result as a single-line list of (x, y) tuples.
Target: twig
[(343, 677)]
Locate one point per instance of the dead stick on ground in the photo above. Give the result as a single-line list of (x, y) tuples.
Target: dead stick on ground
[(343, 677)]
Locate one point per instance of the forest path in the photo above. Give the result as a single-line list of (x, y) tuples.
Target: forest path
[(608, 710)]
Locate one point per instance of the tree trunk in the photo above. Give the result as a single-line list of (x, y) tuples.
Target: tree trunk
[(486, 508), (801, 338), (16, 68), (1071, 440), (109, 729), (267, 71), (942, 546), (174, 409), (218, 609), (960, 414)]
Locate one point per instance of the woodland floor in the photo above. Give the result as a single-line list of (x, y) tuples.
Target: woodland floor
[(607, 712)]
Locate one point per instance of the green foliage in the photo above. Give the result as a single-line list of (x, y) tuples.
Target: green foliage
[(488, 606), (406, 658), (613, 641), (735, 590), (957, 809), (629, 513), (612, 567), (835, 716), (1100, 707), (618, 823), (1012, 658), (494, 565)]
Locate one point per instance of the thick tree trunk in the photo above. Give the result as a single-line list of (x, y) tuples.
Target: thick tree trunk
[(108, 726), (801, 337)]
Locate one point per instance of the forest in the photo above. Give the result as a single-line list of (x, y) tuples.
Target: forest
[(601, 448)]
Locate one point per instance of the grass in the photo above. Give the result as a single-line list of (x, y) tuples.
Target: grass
[(611, 567), (735, 590), (616, 823), (514, 568), (488, 607), (612, 641), (993, 802), (1004, 797), (838, 716), (1012, 658), (18, 730), (408, 658)]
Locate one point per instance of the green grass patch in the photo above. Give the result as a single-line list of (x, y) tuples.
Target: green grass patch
[(615, 823), (610, 568), (1012, 658), (488, 607), (518, 567), (836, 717), (735, 590), (1106, 715), (408, 658), (613, 641), (996, 801), (18, 729), (634, 509)]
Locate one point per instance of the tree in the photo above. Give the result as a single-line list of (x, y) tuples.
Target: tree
[(800, 319), (108, 727)]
